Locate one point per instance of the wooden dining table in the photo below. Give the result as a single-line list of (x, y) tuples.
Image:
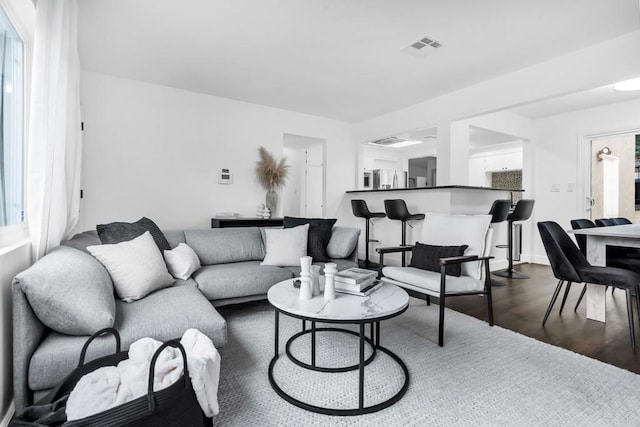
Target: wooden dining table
[(598, 239)]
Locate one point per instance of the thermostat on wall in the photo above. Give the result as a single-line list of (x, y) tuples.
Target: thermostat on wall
[(226, 177)]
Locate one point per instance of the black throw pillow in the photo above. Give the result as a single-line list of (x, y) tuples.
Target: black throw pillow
[(318, 237), (427, 257), (116, 232)]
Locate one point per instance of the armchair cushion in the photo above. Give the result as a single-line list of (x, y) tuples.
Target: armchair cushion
[(427, 257), (428, 282)]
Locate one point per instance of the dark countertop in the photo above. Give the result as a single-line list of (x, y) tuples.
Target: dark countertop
[(443, 187)]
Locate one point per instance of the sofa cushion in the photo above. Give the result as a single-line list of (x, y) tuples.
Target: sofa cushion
[(182, 261), (163, 315), (427, 257), (70, 292), (117, 232), (285, 246), (342, 242), (80, 241), (136, 267), (319, 235), (174, 237), (238, 279), (224, 245)]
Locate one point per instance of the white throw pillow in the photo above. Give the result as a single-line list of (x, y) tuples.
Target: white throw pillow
[(182, 261), (136, 267), (285, 246)]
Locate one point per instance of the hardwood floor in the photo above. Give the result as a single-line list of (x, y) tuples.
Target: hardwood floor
[(521, 304)]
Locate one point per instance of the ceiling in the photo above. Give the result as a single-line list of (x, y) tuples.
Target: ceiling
[(336, 58), (575, 101)]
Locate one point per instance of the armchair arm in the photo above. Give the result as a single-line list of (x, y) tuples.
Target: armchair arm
[(392, 249), (463, 259), (389, 250)]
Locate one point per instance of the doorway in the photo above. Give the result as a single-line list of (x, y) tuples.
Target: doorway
[(615, 177), (304, 193)]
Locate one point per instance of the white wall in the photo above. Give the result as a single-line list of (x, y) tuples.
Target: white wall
[(558, 143), (12, 261), (156, 151)]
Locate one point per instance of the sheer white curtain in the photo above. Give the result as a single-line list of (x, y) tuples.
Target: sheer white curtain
[(55, 141)]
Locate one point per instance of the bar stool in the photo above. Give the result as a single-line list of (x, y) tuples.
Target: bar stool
[(499, 212), (361, 210), (397, 210), (522, 212)]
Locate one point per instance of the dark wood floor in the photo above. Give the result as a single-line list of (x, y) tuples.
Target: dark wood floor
[(521, 304)]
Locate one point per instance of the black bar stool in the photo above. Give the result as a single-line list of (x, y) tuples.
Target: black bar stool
[(499, 212), (361, 210), (522, 212), (397, 209)]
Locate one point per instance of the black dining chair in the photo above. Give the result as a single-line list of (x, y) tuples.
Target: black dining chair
[(621, 221), (571, 266), (605, 222)]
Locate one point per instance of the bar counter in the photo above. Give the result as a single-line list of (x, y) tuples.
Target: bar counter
[(451, 199)]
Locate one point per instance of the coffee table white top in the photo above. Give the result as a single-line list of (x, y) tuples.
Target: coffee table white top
[(385, 301)]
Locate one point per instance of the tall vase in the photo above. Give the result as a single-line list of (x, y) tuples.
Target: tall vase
[(271, 200)]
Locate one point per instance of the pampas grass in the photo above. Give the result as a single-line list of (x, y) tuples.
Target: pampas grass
[(271, 174)]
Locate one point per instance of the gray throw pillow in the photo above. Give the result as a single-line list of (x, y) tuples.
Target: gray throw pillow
[(70, 292), (117, 232), (343, 241)]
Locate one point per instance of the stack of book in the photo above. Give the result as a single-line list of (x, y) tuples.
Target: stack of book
[(356, 281)]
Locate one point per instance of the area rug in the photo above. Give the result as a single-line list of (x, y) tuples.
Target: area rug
[(482, 376)]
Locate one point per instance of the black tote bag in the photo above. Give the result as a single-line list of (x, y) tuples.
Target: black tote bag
[(173, 406)]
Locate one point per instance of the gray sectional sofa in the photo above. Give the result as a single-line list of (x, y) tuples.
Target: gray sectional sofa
[(47, 343)]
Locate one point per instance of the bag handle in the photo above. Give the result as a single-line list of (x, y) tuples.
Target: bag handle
[(100, 333), (185, 374)]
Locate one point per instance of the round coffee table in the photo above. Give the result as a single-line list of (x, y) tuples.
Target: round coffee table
[(386, 302)]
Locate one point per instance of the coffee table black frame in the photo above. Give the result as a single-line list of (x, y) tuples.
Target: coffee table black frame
[(373, 341)]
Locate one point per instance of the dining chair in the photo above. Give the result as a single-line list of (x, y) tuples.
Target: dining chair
[(621, 221), (605, 222), (569, 264)]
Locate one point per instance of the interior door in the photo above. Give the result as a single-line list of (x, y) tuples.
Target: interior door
[(314, 182)]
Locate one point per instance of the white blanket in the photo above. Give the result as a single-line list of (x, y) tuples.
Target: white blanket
[(111, 386)]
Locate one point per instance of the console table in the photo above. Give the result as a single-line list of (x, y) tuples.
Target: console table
[(246, 222)]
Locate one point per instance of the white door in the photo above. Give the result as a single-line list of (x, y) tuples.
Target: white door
[(314, 182)]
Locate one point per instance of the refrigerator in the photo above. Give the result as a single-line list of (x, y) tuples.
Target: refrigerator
[(385, 179)]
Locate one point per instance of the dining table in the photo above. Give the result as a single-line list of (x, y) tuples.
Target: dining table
[(598, 239)]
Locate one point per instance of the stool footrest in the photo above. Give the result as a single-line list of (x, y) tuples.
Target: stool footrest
[(374, 240), (502, 246)]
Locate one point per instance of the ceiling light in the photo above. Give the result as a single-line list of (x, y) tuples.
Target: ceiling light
[(395, 142), (628, 85)]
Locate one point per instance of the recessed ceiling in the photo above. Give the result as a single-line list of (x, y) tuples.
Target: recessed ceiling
[(335, 58)]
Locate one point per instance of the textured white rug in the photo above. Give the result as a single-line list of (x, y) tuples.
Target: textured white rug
[(482, 376)]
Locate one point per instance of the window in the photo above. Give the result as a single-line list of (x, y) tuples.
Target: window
[(12, 141)]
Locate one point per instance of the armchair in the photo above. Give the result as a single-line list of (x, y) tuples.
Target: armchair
[(447, 230)]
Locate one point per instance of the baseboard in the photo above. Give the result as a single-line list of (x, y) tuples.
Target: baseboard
[(539, 259), (8, 415)]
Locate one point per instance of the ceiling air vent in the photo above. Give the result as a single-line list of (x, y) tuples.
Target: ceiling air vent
[(422, 47)]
